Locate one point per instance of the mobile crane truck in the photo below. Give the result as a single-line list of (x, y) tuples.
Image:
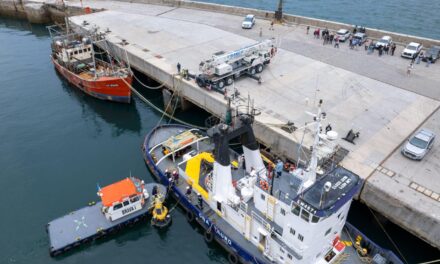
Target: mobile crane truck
[(223, 68)]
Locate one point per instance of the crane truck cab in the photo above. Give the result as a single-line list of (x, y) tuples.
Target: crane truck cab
[(223, 68)]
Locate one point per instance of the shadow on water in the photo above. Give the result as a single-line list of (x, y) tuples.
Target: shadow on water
[(21, 25), (123, 117)]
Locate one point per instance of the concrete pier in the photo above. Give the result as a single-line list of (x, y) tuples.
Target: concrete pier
[(366, 93)]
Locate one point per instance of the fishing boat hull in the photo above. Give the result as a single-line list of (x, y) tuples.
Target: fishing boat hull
[(115, 89)]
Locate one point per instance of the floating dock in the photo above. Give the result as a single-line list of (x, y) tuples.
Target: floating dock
[(89, 223)]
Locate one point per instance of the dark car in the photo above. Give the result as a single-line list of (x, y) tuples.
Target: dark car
[(432, 54)]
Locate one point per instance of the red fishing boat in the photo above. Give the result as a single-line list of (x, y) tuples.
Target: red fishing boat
[(74, 57)]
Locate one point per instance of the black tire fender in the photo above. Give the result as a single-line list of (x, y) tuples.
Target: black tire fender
[(209, 236), (232, 258), (189, 216)]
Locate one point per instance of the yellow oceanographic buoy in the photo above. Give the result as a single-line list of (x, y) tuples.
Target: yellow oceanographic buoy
[(160, 218)]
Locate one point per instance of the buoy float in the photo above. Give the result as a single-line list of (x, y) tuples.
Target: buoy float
[(160, 218)]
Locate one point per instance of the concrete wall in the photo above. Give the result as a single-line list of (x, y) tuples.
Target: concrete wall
[(408, 216), (12, 8), (37, 12)]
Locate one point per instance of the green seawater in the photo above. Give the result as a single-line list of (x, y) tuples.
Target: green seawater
[(57, 144)]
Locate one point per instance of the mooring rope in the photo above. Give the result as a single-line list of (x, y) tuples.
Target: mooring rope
[(146, 86), (145, 100)]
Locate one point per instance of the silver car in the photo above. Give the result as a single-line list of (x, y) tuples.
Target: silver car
[(419, 144)]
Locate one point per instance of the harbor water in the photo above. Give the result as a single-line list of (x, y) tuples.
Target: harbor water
[(57, 145), (412, 17)]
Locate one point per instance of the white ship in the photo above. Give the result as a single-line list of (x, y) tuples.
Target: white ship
[(256, 216)]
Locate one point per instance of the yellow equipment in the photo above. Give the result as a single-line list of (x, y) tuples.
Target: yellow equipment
[(161, 218)]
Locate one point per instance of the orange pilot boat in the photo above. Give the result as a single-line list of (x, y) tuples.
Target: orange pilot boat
[(74, 57)]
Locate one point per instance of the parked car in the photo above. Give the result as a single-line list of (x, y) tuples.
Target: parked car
[(412, 50), (248, 22), (385, 41), (359, 38), (343, 34), (419, 144), (432, 54)]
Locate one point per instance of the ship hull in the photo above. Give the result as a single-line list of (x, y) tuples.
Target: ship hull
[(115, 89), (236, 252)]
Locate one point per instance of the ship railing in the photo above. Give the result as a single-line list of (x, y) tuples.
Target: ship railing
[(295, 251), (243, 206), (261, 220), (160, 144)]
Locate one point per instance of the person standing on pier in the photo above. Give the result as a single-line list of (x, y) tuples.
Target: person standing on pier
[(337, 42), (261, 32), (271, 25), (419, 58), (393, 48), (307, 31), (178, 67)]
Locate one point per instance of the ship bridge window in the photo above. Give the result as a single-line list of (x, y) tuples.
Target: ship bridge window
[(134, 199), (296, 210), (305, 215), (282, 211), (126, 203), (80, 51), (75, 52), (117, 206), (263, 197), (88, 49), (300, 237), (289, 256), (315, 219)]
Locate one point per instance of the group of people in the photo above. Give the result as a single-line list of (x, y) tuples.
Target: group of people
[(326, 36), (173, 177)]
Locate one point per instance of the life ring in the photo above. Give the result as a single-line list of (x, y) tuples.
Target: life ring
[(189, 216), (209, 236), (232, 257), (264, 185)]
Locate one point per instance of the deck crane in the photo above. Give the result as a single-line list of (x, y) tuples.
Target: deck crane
[(223, 68)]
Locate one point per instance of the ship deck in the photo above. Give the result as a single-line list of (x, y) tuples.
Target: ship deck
[(89, 223), (166, 132)]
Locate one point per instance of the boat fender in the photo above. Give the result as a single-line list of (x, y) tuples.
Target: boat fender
[(209, 236), (189, 216), (232, 257), (264, 185)]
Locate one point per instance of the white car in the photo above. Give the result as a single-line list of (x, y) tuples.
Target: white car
[(343, 34), (412, 50), (385, 41), (248, 22)]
